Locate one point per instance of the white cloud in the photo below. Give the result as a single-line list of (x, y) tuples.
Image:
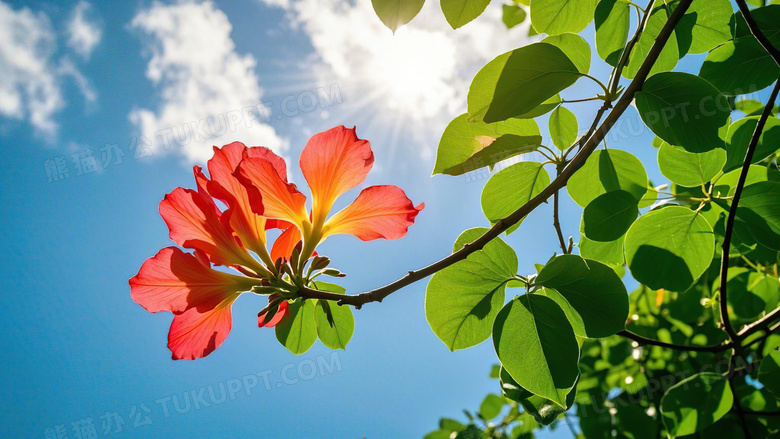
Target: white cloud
[(84, 33), (30, 88), (203, 83), (415, 81)]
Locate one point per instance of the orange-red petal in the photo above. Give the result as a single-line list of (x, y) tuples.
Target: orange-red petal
[(334, 162), (270, 193), (378, 212), (285, 243), (196, 332), (248, 225), (194, 222), (280, 313), (175, 281)]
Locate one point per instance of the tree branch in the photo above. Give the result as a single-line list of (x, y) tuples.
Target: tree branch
[(576, 163), (726, 247), (649, 341), (556, 222), (754, 29)]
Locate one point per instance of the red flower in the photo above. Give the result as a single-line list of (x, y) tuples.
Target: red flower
[(252, 182)]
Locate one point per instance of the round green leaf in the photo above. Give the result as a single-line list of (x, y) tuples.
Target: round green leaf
[(555, 17), (739, 66), (610, 215), (704, 26), (513, 15), (335, 323), (563, 128), (491, 406), (687, 168), (769, 373), (297, 332), (751, 293), (669, 248), (605, 171), (592, 289), (460, 12), (512, 187), (537, 346), (695, 403), (465, 147), (575, 47), (396, 13), (517, 82), (462, 300), (683, 110), (738, 139), (612, 22), (610, 253)]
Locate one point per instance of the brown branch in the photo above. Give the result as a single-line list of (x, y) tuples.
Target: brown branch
[(502, 225), (726, 247), (754, 29), (649, 341), (556, 222), (763, 323)]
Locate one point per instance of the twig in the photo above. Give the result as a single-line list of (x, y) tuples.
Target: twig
[(754, 29), (556, 222), (726, 247), (649, 341)]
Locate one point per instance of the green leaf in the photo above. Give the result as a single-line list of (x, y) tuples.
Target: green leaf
[(512, 187), (769, 373), (543, 108), (750, 107), (575, 47), (610, 253), (465, 147), (518, 81), (571, 314), (471, 432), (704, 26), (297, 332), (612, 22), (684, 110), (592, 289), (510, 389), (491, 406), (610, 215), (396, 13), (687, 168), (513, 15), (669, 55), (563, 128), (740, 66), (738, 139), (694, 403), (605, 171), (537, 346), (335, 323), (438, 434), (634, 422), (555, 17), (450, 425), (460, 12), (751, 293), (462, 300), (669, 248), (762, 199)]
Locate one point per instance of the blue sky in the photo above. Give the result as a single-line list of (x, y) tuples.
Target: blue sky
[(98, 77)]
